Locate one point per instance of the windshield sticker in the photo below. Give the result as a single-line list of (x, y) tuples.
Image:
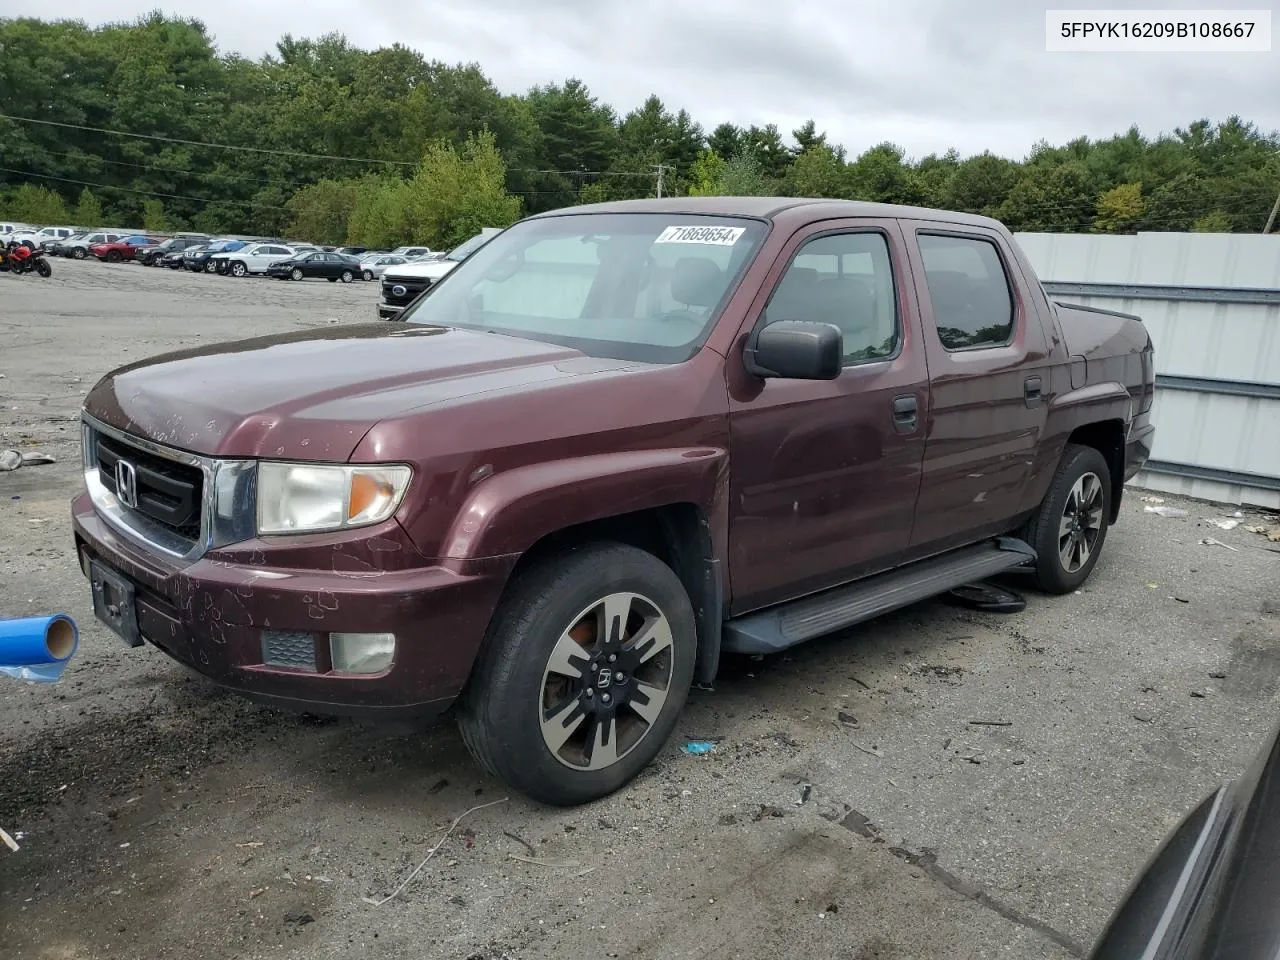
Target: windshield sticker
[(716, 236)]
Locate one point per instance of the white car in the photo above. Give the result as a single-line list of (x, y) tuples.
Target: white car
[(373, 266), (8, 229), (403, 284), (42, 237), (254, 258), (411, 253)]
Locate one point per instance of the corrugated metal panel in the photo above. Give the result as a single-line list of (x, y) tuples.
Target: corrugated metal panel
[(1218, 446)]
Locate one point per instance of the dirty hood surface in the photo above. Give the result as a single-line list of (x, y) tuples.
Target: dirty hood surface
[(312, 395)]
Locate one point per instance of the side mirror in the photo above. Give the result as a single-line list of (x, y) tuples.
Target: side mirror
[(796, 350)]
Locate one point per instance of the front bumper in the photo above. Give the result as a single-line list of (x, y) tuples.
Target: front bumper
[(221, 615)]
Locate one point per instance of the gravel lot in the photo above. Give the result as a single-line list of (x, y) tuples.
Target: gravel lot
[(161, 818)]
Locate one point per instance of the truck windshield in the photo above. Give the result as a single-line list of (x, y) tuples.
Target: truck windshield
[(632, 286)]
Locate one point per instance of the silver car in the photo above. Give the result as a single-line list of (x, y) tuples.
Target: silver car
[(372, 267)]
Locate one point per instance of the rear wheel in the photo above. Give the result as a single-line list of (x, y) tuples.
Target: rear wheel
[(114, 256), (368, 274), (1069, 527), (585, 669), (79, 253)]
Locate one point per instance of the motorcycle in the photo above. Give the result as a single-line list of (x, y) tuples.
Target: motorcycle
[(19, 258)]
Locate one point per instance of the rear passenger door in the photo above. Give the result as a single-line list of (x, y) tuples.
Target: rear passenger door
[(825, 473), (989, 379)]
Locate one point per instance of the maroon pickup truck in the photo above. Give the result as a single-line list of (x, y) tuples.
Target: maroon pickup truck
[(613, 444)]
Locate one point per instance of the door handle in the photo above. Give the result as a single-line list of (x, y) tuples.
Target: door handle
[(904, 413), (1031, 391)]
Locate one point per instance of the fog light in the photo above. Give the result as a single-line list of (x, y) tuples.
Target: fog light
[(362, 652)]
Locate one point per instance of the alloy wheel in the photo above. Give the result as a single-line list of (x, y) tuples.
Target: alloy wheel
[(1081, 522)]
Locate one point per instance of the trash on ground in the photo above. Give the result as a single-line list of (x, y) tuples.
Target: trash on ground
[(805, 792), (432, 852), (874, 751), (1210, 542), (697, 748), (1166, 512), (848, 719), (1153, 499), (988, 598), (991, 723), (1223, 523), (12, 459), (9, 842), (544, 863)]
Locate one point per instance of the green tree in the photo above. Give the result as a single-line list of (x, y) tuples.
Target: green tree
[(725, 141), (454, 194), (35, 205), (1119, 209), (154, 218), (379, 215), (818, 171), (88, 211), (321, 211), (706, 174), (1216, 221)]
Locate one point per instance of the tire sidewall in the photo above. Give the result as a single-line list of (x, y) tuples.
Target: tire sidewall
[(512, 702), (1076, 462), (238, 269)]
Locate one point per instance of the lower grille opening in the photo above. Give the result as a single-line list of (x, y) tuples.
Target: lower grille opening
[(289, 648)]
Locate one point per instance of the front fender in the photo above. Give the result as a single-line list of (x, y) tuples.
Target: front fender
[(509, 512)]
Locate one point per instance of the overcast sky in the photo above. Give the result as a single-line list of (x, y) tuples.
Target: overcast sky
[(925, 74)]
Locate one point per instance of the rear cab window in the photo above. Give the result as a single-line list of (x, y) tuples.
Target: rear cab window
[(973, 306)]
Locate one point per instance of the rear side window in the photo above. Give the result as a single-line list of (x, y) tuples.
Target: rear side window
[(969, 289), (844, 279)]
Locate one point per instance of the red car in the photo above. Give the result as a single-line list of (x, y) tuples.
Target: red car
[(612, 444), (125, 249)]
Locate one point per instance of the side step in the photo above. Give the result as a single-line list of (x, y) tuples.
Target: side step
[(790, 623)]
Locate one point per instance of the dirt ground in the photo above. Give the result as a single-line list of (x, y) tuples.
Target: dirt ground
[(850, 809)]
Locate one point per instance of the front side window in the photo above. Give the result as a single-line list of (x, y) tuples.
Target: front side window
[(969, 289), (633, 286), (845, 279)]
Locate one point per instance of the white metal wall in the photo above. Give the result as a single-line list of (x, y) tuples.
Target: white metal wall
[(1212, 305)]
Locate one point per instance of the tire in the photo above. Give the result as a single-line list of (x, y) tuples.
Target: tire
[(114, 256), (210, 266), (347, 276), (43, 268), (502, 712), (368, 274), (295, 273), (1083, 480), (79, 253), (238, 269)]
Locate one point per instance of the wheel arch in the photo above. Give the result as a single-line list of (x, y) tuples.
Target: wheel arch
[(1107, 437)]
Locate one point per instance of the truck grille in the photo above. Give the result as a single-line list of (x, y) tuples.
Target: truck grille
[(163, 491), (412, 287)]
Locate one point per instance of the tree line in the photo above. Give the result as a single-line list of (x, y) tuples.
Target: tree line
[(324, 141)]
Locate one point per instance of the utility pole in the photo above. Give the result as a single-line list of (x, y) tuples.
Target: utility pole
[(661, 168), (1275, 209)]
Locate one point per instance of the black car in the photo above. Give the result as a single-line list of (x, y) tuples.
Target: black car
[(1212, 891), (154, 256), (317, 263)]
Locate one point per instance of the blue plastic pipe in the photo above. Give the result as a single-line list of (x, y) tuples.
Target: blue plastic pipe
[(37, 648)]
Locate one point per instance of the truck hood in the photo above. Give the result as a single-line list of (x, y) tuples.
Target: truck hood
[(312, 395), (431, 270)]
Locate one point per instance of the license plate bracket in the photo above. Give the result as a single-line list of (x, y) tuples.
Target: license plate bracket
[(113, 603)]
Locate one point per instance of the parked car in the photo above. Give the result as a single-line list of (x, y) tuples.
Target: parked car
[(612, 444), (176, 258), (77, 247), (126, 248), (154, 256), (200, 259), (252, 258), (317, 263), (10, 227), (356, 252), (403, 284), (42, 237), (373, 267), (411, 253), (1209, 892)]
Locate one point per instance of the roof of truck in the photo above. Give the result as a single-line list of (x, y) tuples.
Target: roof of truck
[(770, 208)]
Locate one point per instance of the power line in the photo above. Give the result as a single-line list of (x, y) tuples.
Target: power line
[(201, 143), (143, 193)]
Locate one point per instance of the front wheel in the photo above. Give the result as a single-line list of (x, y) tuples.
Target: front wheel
[(44, 269), (238, 269), (79, 253), (582, 676), (295, 273), (114, 256), (210, 266), (1069, 527)]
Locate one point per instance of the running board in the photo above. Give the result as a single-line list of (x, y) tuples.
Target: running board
[(795, 622)]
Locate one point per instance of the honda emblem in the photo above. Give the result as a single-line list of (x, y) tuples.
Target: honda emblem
[(127, 483)]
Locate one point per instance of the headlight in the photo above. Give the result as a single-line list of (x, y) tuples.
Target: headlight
[(309, 498)]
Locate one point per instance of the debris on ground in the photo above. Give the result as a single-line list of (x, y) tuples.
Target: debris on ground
[(1271, 533), (696, 748), (805, 792), (8, 841), (1166, 512), (1210, 542), (991, 723), (1223, 523), (12, 460), (848, 719), (988, 598), (1153, 499), (874, 751), (766, 810)]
